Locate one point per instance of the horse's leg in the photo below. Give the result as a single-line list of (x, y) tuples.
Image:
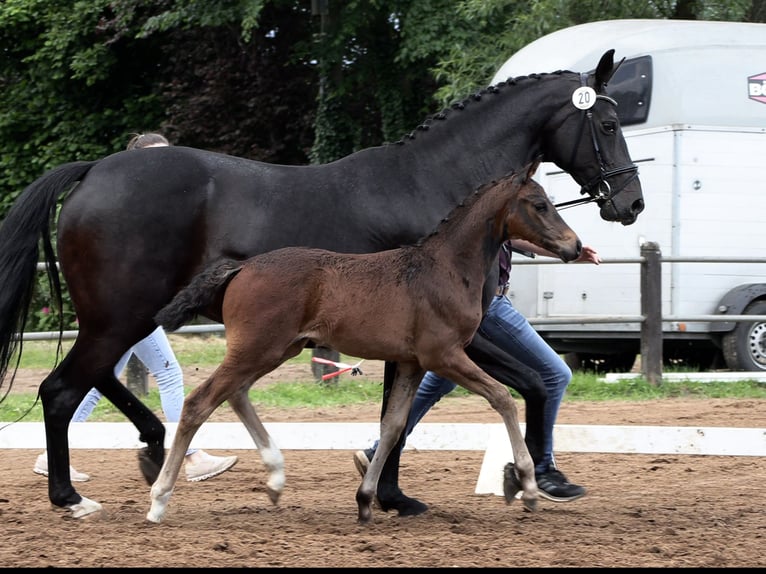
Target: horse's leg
[(60, 393), (460, 369), (512, 373), (150, 428), (270, 453), (59, 400), (198, 406), (390, 495), (392, 425)]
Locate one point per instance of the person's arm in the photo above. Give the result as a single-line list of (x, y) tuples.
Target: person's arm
[(587, 255)]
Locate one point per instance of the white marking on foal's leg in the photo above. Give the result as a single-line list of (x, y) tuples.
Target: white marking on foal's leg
[(275, 462), (85, 507), (159, 505)]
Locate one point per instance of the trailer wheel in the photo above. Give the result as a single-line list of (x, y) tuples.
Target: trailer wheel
[(744, 348)]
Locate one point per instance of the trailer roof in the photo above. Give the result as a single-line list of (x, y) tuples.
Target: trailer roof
[(578, 48), (702, 72)]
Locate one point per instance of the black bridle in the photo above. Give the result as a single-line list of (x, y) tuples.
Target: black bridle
[(598, 188)]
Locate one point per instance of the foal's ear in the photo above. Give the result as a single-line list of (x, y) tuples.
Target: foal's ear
[(531, 168)]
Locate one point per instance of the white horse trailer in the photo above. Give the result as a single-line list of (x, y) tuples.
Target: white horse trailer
[(692, 103)]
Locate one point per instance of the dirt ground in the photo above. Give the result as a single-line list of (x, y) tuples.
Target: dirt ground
[(640, 510)]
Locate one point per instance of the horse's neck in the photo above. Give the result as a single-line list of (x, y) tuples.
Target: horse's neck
[(484, 141), (491, 137)]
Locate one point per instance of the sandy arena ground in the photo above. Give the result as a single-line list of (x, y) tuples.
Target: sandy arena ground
[(641, 510)]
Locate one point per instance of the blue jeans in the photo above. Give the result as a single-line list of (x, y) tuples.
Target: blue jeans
[(510, 331)]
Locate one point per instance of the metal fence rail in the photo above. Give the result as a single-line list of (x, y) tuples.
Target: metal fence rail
[(651, 318)]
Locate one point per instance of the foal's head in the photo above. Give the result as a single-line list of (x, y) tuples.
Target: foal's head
[(530, 215)]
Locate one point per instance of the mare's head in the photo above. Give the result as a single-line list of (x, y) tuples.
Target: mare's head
[(598, 157), (530, 215)]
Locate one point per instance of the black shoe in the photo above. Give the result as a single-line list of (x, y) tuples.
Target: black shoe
[(554, 486)]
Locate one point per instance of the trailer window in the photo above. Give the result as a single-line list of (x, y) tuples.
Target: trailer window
[(631, 87)]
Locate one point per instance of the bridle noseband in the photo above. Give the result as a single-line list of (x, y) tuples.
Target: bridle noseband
[(598, 188)]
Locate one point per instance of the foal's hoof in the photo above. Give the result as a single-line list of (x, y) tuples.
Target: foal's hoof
[(511, 483), (530, 503), (512, 487), (273, 495)]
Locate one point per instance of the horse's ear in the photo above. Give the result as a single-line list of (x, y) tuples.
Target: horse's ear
[(605, 69)]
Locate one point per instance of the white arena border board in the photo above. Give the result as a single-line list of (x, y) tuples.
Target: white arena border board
[(706, 377), (492, 438)]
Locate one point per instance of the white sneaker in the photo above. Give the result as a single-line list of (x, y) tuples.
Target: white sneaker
[(41, 467), (201, 465)]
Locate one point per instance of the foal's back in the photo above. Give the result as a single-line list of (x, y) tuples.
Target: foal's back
[(373, 305)]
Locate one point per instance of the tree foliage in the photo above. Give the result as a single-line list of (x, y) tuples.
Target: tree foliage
[(284, 81)]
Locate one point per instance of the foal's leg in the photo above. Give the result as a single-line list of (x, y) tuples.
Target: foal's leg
[(504, 368), (198, 406), (270, 453), (514, 374), (392, 425), (507, 370), (390, 495), (460, 369)]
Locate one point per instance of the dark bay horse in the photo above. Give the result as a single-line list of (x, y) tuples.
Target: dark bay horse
[(417, 306), (135, 226)]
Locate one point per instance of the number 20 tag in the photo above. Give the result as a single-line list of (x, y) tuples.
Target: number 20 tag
[(584, 98)]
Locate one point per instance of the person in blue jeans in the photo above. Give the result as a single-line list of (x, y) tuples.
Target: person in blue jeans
[(510, 331)]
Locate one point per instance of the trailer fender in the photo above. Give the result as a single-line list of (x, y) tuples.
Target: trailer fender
[(735, 301)]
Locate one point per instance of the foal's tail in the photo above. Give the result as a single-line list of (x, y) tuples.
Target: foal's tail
[(27, 223), (203, 290)]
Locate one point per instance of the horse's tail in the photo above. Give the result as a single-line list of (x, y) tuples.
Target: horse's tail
[(27, 223), (201, 292)]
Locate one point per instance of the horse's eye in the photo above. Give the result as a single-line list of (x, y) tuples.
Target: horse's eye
[(541, 207), (609, 127)]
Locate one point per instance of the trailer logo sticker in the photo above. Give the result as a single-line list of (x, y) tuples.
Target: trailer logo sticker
[(756, 88)]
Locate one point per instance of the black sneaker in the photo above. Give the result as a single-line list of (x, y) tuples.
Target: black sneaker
[(554, 486)]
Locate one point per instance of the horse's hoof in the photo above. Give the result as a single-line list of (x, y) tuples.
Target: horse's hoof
[(511, 483), (403, 504), (149, 467), (86, 507)]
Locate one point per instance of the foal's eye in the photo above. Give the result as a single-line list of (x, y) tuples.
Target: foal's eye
[(609, 127)]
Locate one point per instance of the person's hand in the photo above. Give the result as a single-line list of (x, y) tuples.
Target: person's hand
[(588, 255)]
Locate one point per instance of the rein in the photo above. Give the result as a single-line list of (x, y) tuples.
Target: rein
[(598, 188)]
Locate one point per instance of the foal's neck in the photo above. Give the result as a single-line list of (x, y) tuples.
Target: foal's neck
[(467, 242)]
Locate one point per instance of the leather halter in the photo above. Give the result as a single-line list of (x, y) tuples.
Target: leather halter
[(598, 188)]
